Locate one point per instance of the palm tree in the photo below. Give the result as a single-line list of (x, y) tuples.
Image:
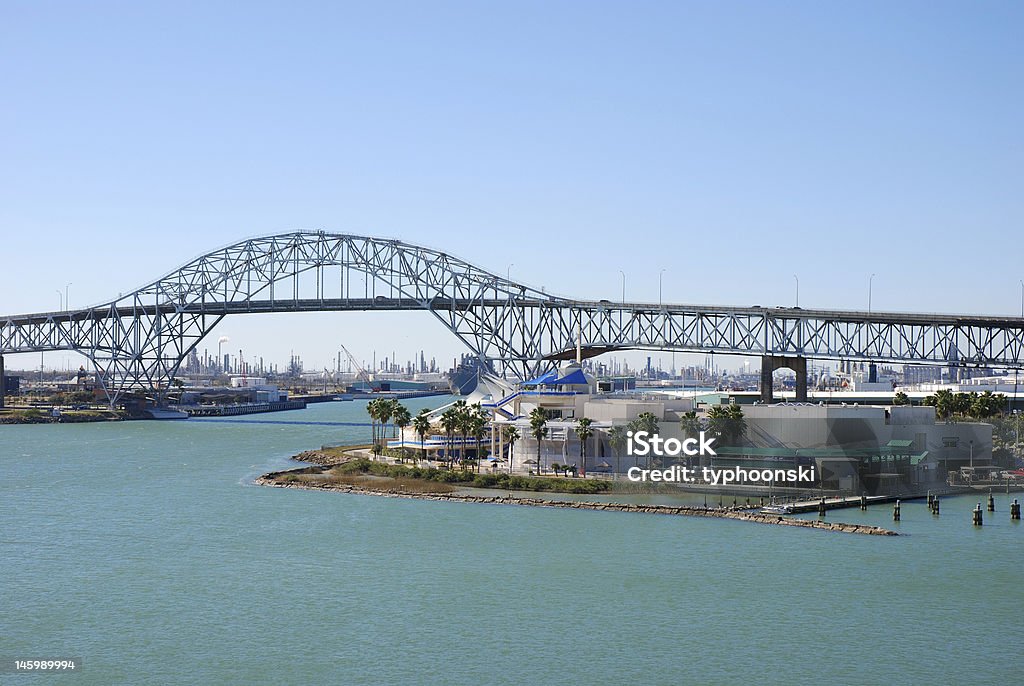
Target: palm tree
[(373, 408), (987, 404), (465, 415), (421, 425), (689, 424), (538, 429), (962, 403), (390, 409), (402, 419), (584, 429), (450, 422), (511, 434), (384, 414), (900, 398), (944, 402), (478, 421), (459, 409), (645, 421), (617, 440), (727, 421)]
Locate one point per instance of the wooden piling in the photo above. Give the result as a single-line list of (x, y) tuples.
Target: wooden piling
[(1015, 509), (991, 501), (821, 507), (935, 505), (978, 516), (863, 502), (896, 512)]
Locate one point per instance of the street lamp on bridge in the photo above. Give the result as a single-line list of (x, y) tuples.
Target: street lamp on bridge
[(797, 279)]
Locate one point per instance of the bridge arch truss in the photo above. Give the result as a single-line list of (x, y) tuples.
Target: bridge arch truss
[(141, 339)]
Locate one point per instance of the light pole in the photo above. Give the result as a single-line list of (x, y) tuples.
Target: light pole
[(623, 286), (67, 303), (1022, 298), (508, 272), (60, 296), (660, 275), (870, 280), (1016, 433), (797, 279)]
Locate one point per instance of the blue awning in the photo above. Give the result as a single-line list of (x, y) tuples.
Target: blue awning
[(573, 378), (546, 378)]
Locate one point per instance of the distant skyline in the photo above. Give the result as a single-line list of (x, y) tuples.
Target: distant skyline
[(740, 146)]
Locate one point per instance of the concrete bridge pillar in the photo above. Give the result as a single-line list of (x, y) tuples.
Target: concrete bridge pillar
[(770, 363)]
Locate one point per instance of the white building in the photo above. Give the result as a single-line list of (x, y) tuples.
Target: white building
[(854, 447)]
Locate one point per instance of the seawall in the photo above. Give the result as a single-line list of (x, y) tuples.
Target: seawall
[(270, 479)]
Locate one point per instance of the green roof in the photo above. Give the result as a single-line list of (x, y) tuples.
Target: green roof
[(899, 443)]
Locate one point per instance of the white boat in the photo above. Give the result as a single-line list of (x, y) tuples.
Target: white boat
[(777, 509), (164, 413)]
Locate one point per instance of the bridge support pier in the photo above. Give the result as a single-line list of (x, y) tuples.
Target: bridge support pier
[(770, 363)]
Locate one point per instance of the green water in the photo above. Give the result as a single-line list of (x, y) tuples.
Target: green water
[(144, 549)]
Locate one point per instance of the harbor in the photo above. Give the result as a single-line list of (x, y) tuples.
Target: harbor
[(192, 532), (518, 344)]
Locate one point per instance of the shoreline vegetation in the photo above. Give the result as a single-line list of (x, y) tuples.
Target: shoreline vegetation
[(35, 415), (348, 470)]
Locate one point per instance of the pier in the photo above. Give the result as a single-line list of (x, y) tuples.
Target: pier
[(840, 502), (244, 408)]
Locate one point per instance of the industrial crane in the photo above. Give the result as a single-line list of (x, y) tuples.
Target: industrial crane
[(362, 373)]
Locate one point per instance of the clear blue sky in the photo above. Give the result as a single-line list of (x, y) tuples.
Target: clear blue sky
[(734, 143)]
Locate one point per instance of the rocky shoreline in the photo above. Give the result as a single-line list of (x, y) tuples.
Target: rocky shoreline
[(317, 457), (271, 479)]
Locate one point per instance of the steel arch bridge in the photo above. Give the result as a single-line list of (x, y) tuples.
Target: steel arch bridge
[(140, 340)]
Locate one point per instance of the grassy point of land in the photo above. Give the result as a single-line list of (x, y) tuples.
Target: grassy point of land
[(369, 474)]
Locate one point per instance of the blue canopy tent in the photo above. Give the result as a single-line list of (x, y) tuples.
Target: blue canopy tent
[(546, 378), (575, 377)]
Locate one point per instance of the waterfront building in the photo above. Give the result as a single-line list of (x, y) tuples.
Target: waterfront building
[(854, 447)]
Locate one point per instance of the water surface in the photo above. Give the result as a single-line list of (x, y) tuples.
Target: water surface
[(144, 549)]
